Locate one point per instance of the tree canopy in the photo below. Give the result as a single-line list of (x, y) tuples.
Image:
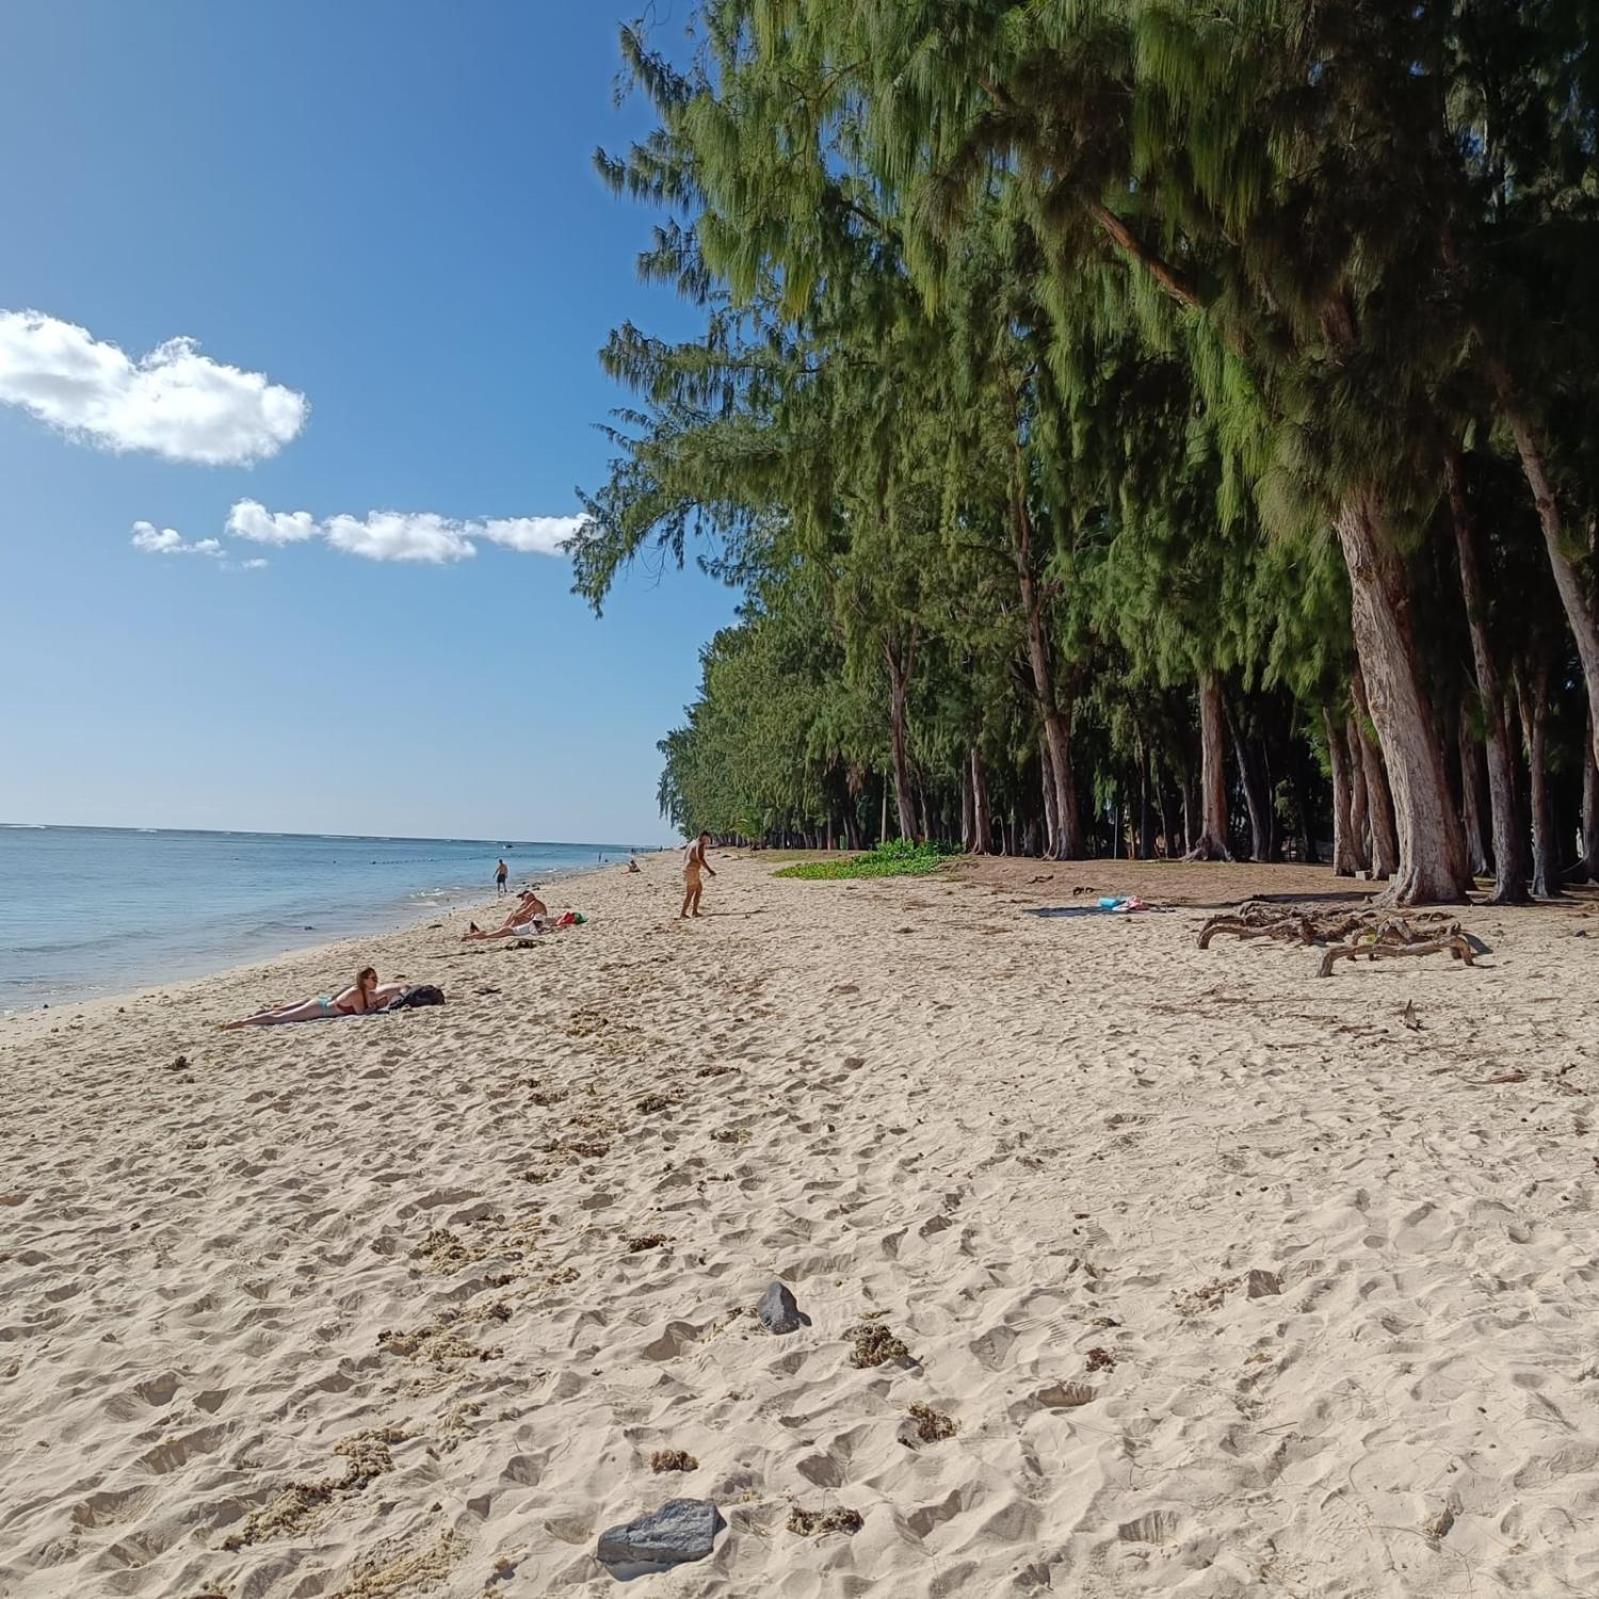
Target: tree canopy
[(1135, 427)]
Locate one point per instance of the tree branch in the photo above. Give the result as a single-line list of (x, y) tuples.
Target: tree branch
[(1175, 283)]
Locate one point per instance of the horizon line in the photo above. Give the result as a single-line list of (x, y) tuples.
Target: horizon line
[(265, 832)]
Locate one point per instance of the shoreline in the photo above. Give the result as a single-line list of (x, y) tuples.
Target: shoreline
[(324, 950), (1176, 884)]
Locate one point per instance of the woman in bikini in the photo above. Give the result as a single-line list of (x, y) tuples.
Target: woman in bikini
[(364, 995)]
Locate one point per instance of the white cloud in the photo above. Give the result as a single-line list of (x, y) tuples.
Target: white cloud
[(174, 401), (532, 535), (403, 535), (254, 565), (400, 536), (249, 519), (168, 541)]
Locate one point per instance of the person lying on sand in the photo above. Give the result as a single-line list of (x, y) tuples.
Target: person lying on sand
[(364, 995), (529, 913)]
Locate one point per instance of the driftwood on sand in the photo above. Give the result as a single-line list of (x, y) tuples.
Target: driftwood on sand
[(1345, 935)]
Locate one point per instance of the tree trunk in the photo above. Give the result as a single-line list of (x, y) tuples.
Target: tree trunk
[(1432, 867), (1162, 798), (1590, 816), (968, 821), (1532, 693), (1257, 794), (1509, 844), (1359, 801), (1212, 843), (982, 826), (1473, 798), (1057, 728), (898, 680), (1146, 819), (1299, 786), (1046, 772), (1379, 801), (1579, 610), (1069, 833), (1346, 857)]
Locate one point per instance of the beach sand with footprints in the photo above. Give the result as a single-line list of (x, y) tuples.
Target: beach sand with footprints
[(1128, 1267)]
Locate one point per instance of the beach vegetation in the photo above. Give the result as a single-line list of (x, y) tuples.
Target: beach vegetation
[(1133, 428), (897, 858)]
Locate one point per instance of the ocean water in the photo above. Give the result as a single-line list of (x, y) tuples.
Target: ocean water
[(100, 910)]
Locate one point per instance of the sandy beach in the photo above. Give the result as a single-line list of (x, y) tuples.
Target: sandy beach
[(1229, 1280)]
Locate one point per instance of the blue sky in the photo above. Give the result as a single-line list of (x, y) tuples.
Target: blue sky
[(389, 209)]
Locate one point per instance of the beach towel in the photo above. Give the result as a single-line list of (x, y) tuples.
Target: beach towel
[(414, 998)]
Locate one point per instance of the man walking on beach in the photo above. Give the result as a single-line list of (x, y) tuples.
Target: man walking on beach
[(501, 872), (694, 863)]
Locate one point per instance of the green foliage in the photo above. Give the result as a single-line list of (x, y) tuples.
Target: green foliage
[(1042, 343), (897, 858)]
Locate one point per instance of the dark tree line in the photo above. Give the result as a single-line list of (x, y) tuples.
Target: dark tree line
[(1135, 427)]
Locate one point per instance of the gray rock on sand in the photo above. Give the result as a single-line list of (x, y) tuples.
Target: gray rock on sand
[(779, 1311), (680, 1531), (1262, 1284)]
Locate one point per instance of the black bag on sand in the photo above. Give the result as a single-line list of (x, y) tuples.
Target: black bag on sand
[(423, 994)]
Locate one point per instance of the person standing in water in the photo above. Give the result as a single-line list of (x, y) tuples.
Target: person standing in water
[(694, 863), (501, 872)]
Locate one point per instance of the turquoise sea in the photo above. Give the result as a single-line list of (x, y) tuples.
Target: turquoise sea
[(99, 910)]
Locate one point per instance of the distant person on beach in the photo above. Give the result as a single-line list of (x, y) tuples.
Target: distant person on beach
[(694, 863), (530, 910), (364, 995), (501, 872), (632, 865)]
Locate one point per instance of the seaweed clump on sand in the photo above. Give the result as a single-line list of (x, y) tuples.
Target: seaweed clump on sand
[(807, 1523), (931, 1426), (366, 1457), (873, 1344)]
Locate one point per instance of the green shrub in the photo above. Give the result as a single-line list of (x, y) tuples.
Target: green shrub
[(897, 858)]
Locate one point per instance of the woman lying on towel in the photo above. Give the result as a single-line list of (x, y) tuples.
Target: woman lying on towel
[(363, 996)]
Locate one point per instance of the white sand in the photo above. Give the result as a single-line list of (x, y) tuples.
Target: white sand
[(1019, 1140)]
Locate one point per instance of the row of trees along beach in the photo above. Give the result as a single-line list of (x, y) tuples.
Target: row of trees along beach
[(1134, 426)]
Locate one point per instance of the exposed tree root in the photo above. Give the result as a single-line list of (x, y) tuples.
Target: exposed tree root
[(1456, 943), (1345, 935), (1292, 924), (1296, 929)]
